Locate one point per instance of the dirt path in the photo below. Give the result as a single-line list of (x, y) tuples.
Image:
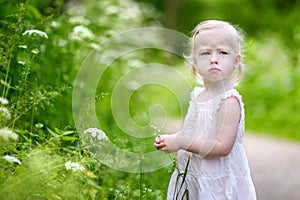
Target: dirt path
[(275, 167)]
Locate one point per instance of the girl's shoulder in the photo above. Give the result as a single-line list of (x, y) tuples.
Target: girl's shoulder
[(232, 93), (229, 94)]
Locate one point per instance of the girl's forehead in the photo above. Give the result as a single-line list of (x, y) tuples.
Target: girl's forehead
[(216, 37)]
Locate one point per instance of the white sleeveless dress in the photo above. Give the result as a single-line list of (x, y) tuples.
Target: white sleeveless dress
[(212, 178)]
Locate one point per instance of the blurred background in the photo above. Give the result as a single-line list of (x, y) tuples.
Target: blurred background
[(38, 72), (270, 87)]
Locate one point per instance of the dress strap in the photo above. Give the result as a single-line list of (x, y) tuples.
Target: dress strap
[(231, 93), (218, 100), (197, 90)]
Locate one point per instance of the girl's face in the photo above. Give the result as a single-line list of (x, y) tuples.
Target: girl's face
[(215, 54)]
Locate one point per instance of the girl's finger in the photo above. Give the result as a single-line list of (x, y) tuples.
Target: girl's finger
[(157, 139), (159, 145)]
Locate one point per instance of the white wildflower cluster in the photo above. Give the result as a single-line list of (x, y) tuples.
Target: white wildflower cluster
[(81, 33), (4, 113), (95, 133), (55, 24), (7, 135), (12, 159), (3, 101), (22, 62), (35, 51), (74, 166), (79, 20), (36, 32)]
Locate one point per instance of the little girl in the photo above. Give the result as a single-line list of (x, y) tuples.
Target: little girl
[(211, 160)]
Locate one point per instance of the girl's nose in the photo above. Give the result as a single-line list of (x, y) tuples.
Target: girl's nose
[(213, 59)]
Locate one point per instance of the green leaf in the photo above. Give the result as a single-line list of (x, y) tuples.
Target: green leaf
[(69, 138), (52, 132), (68, 132)]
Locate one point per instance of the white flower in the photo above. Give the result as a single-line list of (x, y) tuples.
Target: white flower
[(62, 43), (95, 46), (3, 101), (12, 159), (4, 113), (22, 46), (22, 62), (79, 20), (96, 133), (35, 51), (74, 166), (80, 33), (7, 134), (55, 24), (112, 10), (101, 137), (38, 32)]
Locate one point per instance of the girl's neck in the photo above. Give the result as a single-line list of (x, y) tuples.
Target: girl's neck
[(216, 88)]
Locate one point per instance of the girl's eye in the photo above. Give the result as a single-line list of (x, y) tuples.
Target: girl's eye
[(223, 52), (204, 53)]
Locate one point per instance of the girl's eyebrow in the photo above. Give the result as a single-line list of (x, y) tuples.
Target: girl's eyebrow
[(224, 48)]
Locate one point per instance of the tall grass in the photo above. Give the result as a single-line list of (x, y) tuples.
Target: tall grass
[(42, 156)]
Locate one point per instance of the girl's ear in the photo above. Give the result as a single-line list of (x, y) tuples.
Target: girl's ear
[(237, 61)]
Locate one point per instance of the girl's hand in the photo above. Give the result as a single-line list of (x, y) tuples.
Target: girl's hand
[(168, 143)]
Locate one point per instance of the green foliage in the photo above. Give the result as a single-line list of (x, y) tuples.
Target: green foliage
[(38, 140), (271, 88), (40, 56), (18, 53)]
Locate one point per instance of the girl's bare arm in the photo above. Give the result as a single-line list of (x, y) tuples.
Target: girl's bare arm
[(227, 126)]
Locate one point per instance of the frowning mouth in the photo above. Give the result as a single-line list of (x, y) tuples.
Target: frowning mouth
[(214, 69)]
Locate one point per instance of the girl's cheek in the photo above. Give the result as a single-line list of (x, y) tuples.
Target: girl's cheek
[(202, 64)]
